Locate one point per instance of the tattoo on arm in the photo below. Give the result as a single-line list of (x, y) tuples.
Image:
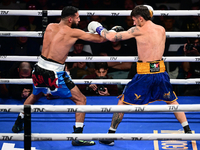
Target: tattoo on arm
[(133, 29), (117, 118), (118, 36)]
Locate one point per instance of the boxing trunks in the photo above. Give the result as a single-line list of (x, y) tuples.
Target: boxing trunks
[(49, 77), (151, 83)]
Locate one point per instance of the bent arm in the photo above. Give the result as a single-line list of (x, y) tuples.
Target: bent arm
[(119, 36)]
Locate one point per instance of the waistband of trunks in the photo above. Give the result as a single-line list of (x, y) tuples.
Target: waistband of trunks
[(153, 67), (50, 65)]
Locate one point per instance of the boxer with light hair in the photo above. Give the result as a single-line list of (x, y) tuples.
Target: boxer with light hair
[(151, 83)]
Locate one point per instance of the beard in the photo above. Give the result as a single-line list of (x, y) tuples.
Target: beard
[(74, 25)]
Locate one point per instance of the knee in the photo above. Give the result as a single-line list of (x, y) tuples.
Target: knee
[(82, 101)]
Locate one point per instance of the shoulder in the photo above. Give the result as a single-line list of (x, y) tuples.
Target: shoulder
[(51, 26)]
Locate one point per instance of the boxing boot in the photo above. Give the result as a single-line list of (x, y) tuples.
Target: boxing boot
[(81, 142), (18, 126), (187, 129), (108, 142)]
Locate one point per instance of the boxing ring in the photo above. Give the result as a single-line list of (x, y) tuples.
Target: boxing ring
[(48, 124)]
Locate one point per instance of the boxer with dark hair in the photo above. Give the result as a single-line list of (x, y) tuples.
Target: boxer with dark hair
[(151, 83), (49, 76)]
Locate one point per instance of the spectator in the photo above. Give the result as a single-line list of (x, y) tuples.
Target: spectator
[(26, 46), (117, 70), (192, 69), (80, 70), (8, 22), (3, 89), (191, 23), (23, 71), (101, 69), (80, 48)]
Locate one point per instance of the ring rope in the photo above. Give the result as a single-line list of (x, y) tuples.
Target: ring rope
[(101, 59), (101, 81), (38, 34), (6, 12), (98, 136), (103, 108)]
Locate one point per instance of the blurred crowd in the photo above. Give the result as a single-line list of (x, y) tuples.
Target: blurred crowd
[(29, 46)]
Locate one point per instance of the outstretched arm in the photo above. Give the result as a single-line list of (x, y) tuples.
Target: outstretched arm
[(86, 36), (113, 36)]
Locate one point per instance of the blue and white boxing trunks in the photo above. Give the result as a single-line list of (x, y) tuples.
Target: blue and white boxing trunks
[(49, 77), (151, 83)]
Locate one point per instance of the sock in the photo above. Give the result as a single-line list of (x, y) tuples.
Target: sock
[(79, 124), (111, 130), (184, 124), (21, 115)]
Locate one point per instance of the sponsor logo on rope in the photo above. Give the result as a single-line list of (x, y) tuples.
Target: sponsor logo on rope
[(3, 56), (5, 34), (38, 109), (88, 82), (6, 138), (197, 59), (115, 14), (90, 14), (164, 14), (105, 109), (139, 108), (39, 13), (136, 138), (72, 109), (42, 139), (4, 12), (136, 58), (167, 36), (88, 58), (113, 58), (5, 110), (39, 34), (4, 81), (173, 107), (71, 138), (197, 82)]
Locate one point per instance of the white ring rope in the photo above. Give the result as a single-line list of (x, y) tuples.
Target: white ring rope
[(5, 12), (103, 108), (101, 81), (99, 136), (38, 34), (101, 58)]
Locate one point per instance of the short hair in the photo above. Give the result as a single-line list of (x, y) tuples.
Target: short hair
[(142, 11), (79, 41), (99, 65), (68, 11)]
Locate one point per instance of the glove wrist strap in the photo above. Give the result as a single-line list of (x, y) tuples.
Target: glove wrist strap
[(99, 29)]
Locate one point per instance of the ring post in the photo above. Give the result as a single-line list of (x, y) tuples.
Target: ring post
[(44, 21), (27, 127)]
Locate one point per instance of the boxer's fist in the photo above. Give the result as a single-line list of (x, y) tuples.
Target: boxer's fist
[(95, 26), (117, 28)]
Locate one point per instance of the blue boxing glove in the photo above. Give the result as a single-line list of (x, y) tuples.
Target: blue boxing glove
[(94, 27)]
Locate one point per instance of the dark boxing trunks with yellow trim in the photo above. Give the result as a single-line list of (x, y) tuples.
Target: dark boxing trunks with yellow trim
[(151, 83)]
